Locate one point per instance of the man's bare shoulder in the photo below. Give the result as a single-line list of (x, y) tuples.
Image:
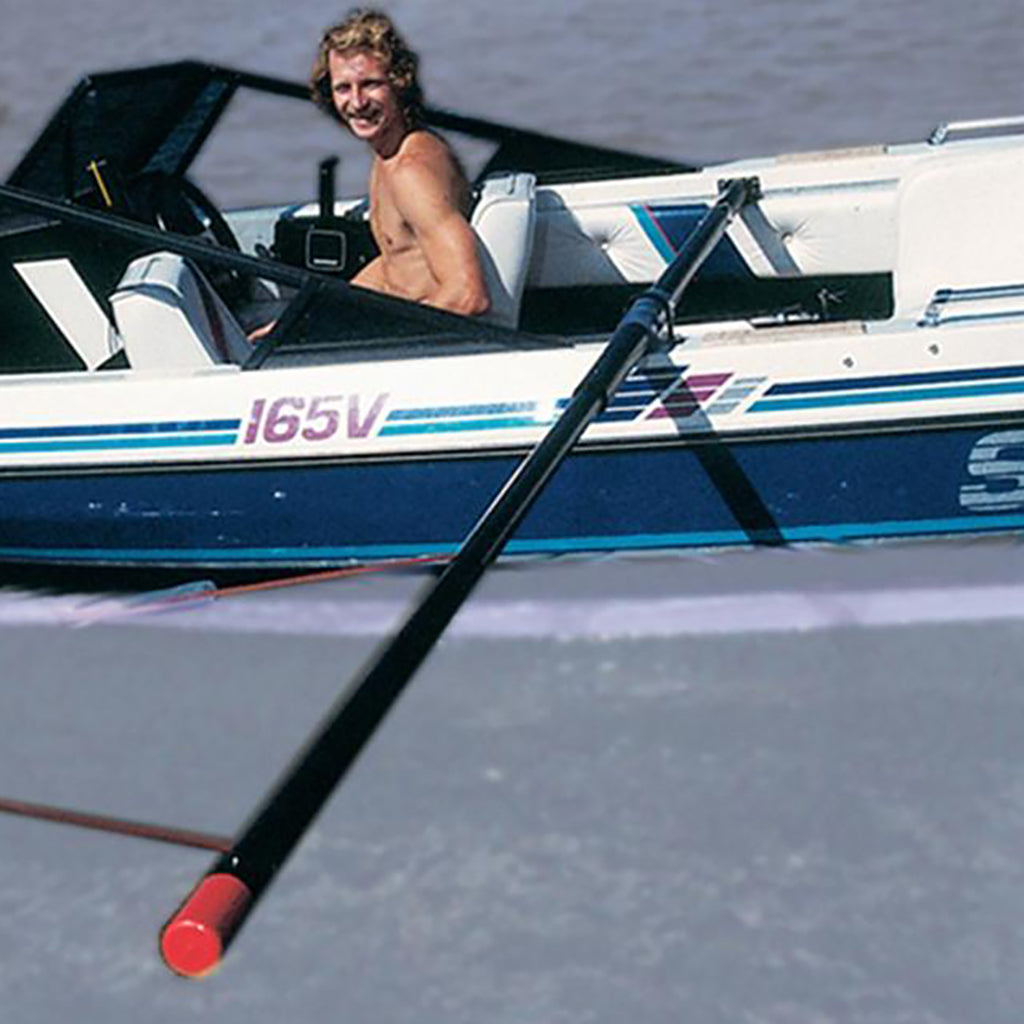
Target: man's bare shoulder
[(426, 162), (424, 145)]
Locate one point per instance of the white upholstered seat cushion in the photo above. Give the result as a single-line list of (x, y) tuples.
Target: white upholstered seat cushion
[(169, 316), (503, 220)]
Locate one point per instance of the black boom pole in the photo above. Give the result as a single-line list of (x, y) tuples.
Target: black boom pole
[(195, 938)]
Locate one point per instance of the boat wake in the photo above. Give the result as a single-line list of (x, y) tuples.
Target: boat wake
[(197, 608)]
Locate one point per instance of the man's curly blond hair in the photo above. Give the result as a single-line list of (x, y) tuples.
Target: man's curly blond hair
[(375, 33)]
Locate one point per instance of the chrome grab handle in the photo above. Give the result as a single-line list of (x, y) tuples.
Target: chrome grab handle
[(986, 126), (936, 312)]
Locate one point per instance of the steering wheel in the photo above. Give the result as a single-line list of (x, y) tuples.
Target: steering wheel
[(173, 203)]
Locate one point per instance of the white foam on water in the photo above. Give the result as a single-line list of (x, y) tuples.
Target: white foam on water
[(543, 618)]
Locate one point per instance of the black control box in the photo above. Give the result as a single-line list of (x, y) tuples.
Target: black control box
[(325, 242)]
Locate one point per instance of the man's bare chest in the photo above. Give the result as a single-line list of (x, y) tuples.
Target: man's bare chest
[(391, 231)]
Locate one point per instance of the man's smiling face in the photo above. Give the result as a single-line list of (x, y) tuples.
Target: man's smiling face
[(364, 97)]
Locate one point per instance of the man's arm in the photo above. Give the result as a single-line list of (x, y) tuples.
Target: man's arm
[(372, 276), (425, 195)]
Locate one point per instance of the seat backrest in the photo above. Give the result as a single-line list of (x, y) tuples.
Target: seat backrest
[(626, 230), (504, 220), (169, 316), (961, 225), (72, 307)]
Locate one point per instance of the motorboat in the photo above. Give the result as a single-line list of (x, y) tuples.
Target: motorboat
[(808, 348), (843, 366)]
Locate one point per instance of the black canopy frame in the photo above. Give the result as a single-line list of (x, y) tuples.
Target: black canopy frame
[(156, 119)]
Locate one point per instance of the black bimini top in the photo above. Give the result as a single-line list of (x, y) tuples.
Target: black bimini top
[(156, 119), (151, 119)]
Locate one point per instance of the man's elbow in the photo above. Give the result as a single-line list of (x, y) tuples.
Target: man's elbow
[(469, 300), (476, 302)]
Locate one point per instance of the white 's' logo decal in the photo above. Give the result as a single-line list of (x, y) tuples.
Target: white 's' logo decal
[(998, 460)]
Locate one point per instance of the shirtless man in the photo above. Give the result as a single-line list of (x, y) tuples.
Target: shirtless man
[(365, 76)]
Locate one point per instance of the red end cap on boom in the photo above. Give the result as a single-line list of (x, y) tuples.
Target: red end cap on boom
[(195, 938)]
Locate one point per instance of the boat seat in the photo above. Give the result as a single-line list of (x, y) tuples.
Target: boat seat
[(169, 317), (626, 232), (504, 219), (961, 225)]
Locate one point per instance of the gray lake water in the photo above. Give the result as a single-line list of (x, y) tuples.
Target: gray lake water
[(701, 80), (683, 810)]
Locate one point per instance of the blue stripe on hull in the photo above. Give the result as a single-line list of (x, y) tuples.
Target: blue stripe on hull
[(881, 397), (118, 443), (104, 429), (816, 489), (896, 380)]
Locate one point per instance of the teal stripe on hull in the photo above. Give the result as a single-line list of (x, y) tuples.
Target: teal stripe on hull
[(510, 423), (834, 533)]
